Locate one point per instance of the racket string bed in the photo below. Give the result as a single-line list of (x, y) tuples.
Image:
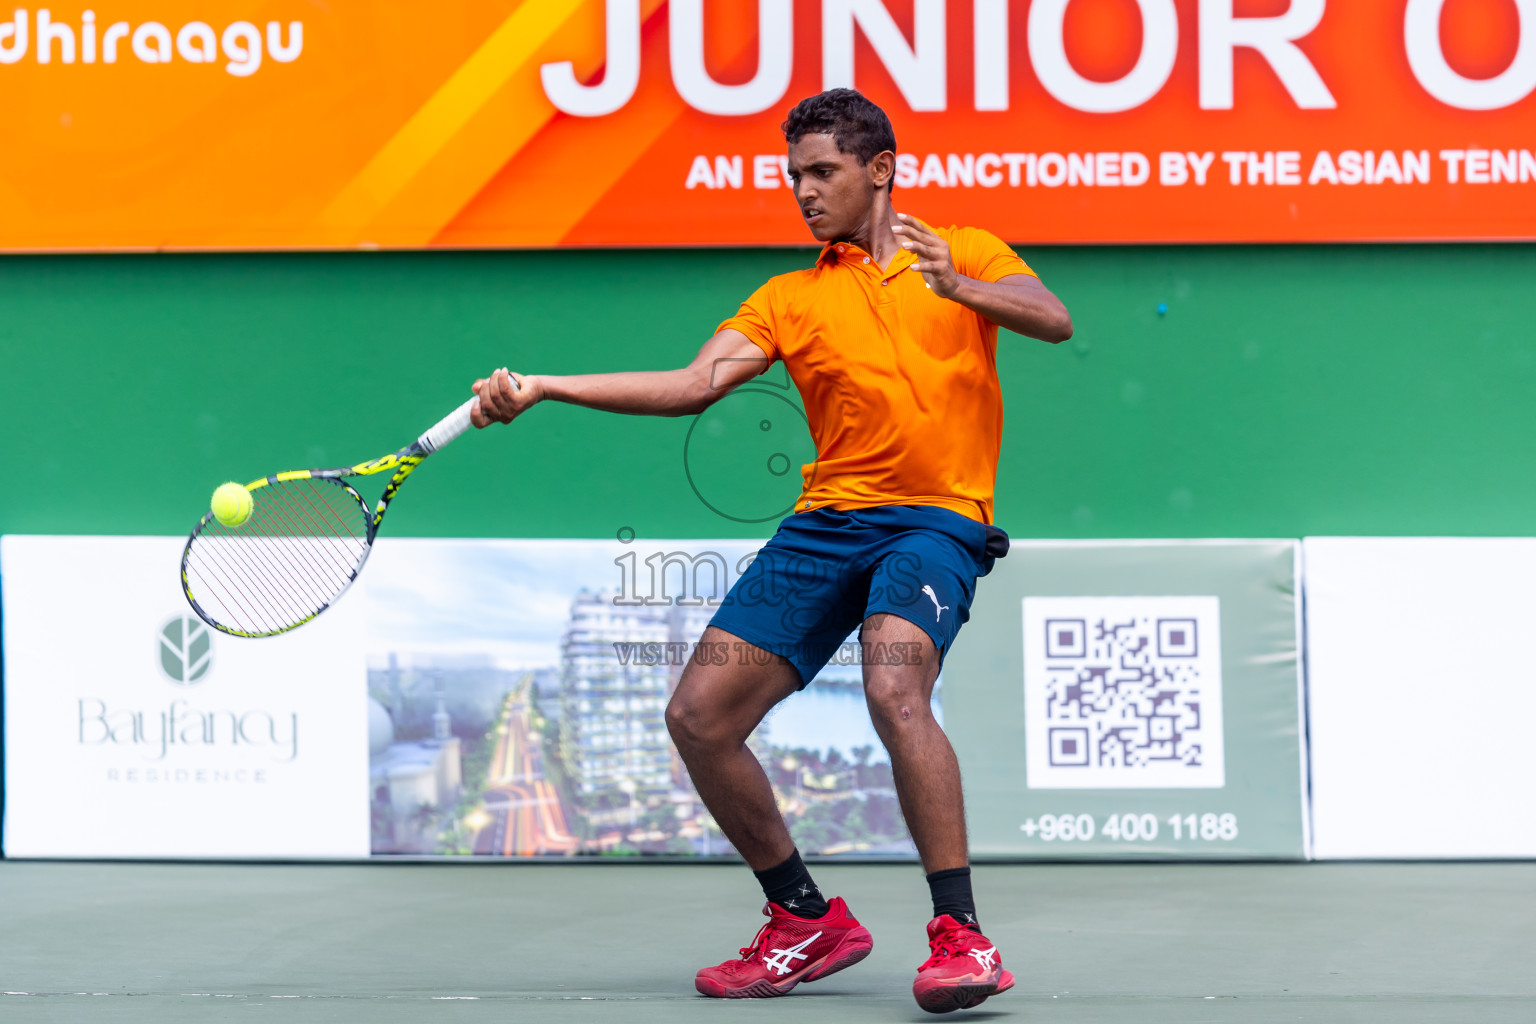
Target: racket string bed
[(305, 539), (260, 590), (214, 584), (278, 589), (283, 521), (299, 550), (229, 582), (306, 520)]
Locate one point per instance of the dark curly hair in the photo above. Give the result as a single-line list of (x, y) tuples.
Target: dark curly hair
[(857, 125)]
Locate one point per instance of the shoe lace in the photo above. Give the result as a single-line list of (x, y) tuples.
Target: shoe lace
[(945, 945), (759, 942)]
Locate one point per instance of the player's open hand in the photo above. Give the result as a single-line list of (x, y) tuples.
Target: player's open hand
[(932, 253), (504, 396)]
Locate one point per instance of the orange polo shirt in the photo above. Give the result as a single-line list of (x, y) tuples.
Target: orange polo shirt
[(900, 386)]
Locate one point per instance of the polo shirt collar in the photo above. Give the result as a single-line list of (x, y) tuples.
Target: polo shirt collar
[(833, 252)]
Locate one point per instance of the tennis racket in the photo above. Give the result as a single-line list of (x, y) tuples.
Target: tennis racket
[(307, 538)]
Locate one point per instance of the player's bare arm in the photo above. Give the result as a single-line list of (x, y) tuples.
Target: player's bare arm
[(725, 361), (1018, 302)]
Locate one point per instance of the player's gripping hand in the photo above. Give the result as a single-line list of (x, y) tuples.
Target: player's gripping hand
[(504, 396), (932, 252)]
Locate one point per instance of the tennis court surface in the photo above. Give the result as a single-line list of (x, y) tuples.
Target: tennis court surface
[(620, 942)]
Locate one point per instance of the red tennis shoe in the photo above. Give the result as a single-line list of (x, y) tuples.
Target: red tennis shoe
[(787, 951), (963, 971)]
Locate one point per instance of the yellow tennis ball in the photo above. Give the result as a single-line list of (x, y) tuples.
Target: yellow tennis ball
[(232, 504)]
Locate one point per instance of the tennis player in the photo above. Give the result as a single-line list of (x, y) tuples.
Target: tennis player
[(891, 338)]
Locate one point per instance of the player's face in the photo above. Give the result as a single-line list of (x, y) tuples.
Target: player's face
[(834, 191)]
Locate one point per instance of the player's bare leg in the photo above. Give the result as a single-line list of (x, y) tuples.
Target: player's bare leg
[(713, 711), (965, 968), (923, 764)]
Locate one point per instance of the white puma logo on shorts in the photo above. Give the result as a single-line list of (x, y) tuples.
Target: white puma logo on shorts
[(940, 608)]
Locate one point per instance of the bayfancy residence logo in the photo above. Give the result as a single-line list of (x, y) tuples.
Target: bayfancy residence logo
[(186, 650), (186, 658)]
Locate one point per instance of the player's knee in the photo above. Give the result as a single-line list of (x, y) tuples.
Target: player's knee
[(682, 721), (893, 701), (691, 724)]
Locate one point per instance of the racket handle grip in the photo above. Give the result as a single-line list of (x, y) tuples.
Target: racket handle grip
[(447, 429)]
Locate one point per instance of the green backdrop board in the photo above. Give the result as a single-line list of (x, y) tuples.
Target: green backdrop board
[(1288, 391), (1137, 698)]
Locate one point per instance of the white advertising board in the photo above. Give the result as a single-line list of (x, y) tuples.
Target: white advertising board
[(133, 730), (1422, 691)]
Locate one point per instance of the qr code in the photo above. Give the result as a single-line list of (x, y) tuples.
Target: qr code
[(1123, 693)]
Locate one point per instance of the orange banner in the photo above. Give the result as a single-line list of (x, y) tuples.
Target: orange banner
[(186, 124)]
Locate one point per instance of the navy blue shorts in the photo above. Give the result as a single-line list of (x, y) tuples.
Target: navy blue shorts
[(825, 572)]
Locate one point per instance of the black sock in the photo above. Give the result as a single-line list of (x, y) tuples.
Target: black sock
[(951, 891), (789, 885)]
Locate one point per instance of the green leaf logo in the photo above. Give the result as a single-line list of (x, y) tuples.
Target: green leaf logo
[(186, 650)]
